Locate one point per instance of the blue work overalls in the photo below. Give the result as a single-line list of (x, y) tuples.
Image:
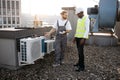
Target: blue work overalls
[(60, 43)]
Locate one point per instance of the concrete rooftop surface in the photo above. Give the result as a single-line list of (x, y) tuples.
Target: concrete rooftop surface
[(102, 63)]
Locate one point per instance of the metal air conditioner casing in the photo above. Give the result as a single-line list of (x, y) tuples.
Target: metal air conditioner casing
[(30, 50), (49, 46)]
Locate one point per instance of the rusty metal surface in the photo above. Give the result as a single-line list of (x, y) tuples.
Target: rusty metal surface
[(117, 29)]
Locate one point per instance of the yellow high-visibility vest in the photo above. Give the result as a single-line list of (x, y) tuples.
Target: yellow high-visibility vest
[(80, 30)]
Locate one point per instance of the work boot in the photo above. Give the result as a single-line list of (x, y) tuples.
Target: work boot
[(76, 65), (62, 62), (80, 69), (55, 65)]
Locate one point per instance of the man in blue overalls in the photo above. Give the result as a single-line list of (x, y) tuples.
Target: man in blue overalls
[(62, 26)]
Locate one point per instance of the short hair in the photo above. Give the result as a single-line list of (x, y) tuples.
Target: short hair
[(63, 12)]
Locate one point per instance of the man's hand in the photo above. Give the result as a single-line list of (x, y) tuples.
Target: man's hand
[(82, 42), (73, 41), (63, 32), (47, 34)]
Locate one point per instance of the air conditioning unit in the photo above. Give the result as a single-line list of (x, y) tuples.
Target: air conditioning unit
[(49, 46), (30, 50)]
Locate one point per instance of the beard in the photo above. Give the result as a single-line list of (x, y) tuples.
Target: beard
[(64, 18)]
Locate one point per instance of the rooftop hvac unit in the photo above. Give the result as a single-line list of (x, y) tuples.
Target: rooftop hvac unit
[(49, 46), (30, 50), (42, 41)]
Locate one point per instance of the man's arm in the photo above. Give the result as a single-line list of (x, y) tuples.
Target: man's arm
[(50, 32), (68, 28), (47, 34), (87, 24), (68, 31)]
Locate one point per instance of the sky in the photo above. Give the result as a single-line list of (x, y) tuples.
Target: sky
[(53, 7)]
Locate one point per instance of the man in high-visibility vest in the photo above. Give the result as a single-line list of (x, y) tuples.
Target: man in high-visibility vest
[(81, 34)]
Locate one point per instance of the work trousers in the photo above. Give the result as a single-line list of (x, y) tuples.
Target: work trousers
[(80, 49), (60, 47)]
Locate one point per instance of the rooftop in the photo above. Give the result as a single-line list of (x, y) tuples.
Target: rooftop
[(102, 63)]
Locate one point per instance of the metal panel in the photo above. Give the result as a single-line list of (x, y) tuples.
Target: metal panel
[(107, 13), (117, 30), (101, 40), (8, 52)]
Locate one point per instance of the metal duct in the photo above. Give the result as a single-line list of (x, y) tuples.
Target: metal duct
[(107, 13)]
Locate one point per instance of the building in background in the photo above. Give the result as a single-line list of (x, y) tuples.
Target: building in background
[(37, 22), (10, 11), (27, 20)]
